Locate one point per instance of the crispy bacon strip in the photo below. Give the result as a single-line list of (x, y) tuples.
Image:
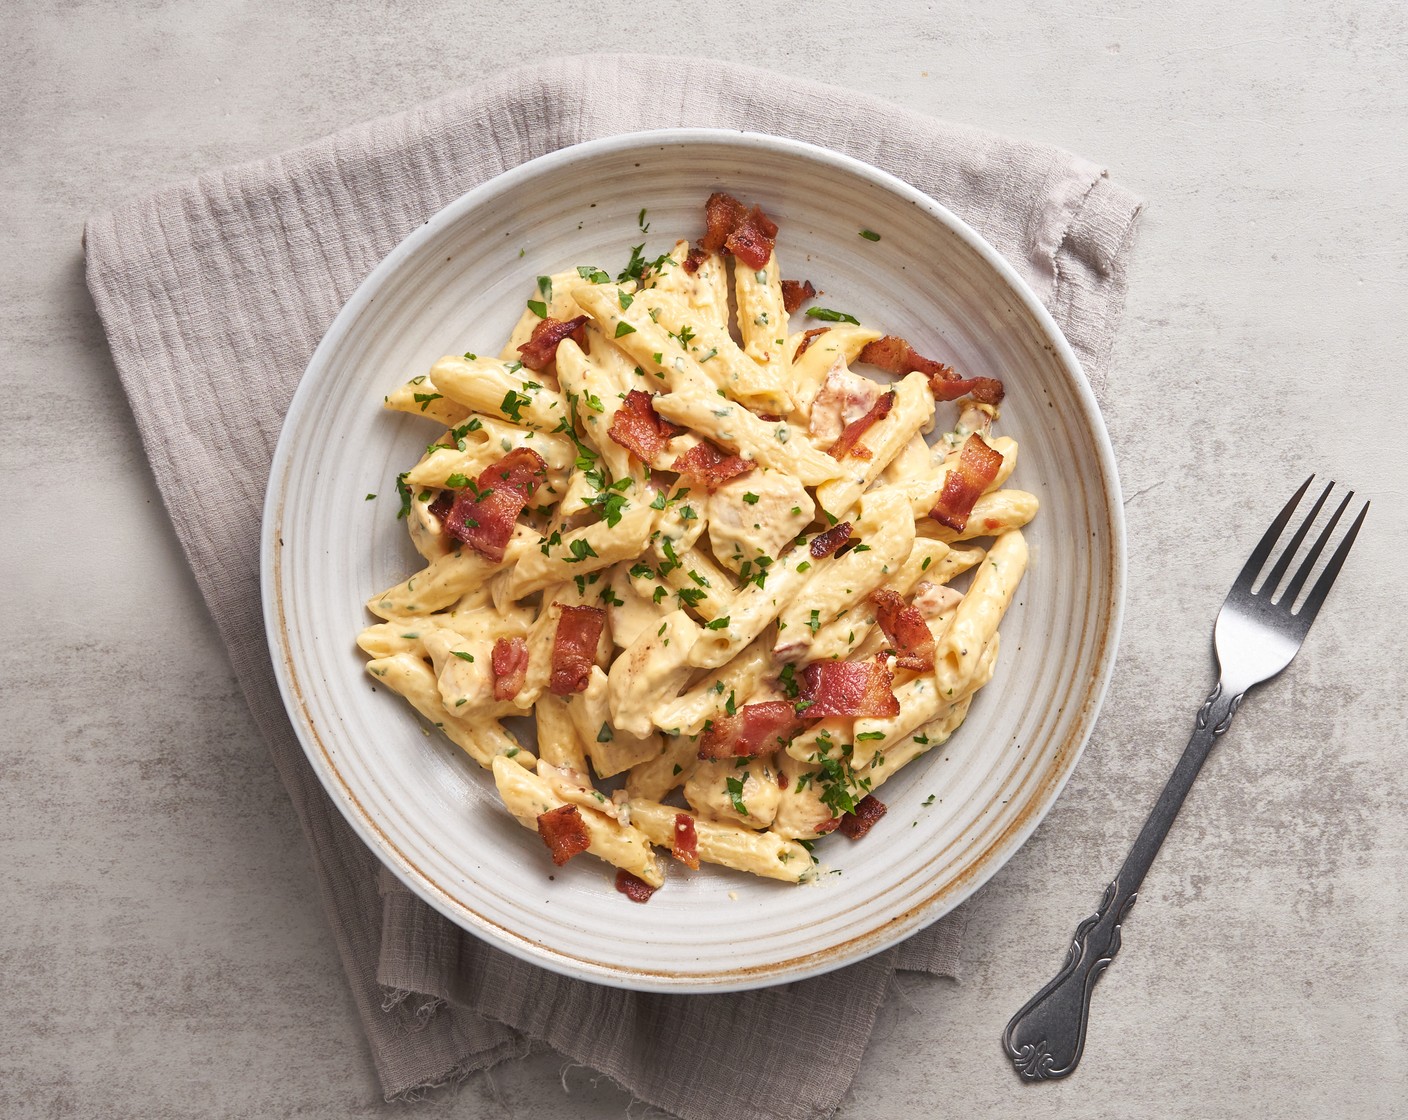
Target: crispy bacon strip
[(541, 349), (721, 213), (574, 649), (639, 428), (755, 729), (828, 826), (483, 515), (748, 234), (849, 443), (684, 844), (637, 890), (564, 832), (849, 688), (753, 238), (978, 465), (904, 627), (807, 339), (441, 506), (895, 355), (709, 466), (510, 664), (867, 812), (795, 293), (824, 544)]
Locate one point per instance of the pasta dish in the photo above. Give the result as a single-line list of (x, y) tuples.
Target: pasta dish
[(714, 558)]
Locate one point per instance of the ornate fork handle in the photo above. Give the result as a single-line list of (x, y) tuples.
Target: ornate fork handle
[(1044, 1040)]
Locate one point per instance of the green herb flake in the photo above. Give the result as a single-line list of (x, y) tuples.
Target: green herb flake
[(405, 492), (513, 405), (814, 623), (735, 793), (369, 497), (463, 656), (624, 328), (751, 499), (870, 235), (604, 735), (580, 550), (424, 399), (538, 308), (595, 275), (865, 736), (717, 624), (826, 315)]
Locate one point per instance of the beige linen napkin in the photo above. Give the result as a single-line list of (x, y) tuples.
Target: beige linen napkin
[(214, 294)]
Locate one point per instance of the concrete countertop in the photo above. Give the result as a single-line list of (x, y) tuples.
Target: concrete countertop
[(164, 949)]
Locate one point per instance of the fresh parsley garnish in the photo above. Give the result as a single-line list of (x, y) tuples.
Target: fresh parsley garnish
[(826, 315)]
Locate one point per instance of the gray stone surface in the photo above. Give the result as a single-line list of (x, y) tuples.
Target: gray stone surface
[(162, 945)]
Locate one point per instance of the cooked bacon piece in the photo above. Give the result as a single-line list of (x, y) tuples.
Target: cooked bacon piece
[(807, 339), (827, 826), (639, 428), (564, 832), (637, 890), (484, 514), (824, 544), (574, 649), (748, 234), (541, 349), (695, 259), (857, 824), (904, 627), (755, 729), (709, 466), (895, 355), (977, 466), (849, 443), (849, 688), (753, 238), (684, 844), (510, 664), (721, 213), (441, 506), (795, 293)]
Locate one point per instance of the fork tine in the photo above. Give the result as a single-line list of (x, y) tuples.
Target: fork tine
[(1268, 541), (1269, 587), (1317, 594), (1288, 597)]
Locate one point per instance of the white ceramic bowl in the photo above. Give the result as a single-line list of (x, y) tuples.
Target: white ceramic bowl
[(458, 283)]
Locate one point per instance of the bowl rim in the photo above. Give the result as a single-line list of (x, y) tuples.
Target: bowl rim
[(988, 861)]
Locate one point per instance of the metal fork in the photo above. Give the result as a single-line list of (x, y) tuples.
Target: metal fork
[(1256, 635)]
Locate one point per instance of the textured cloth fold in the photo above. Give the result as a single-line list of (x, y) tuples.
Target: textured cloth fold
[(212, 288)]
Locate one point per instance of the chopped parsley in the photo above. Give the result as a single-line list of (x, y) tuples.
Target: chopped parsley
[(405, 492), (513, 405), (717, 624), (424, 399), (463, 656), (751, 499), (870, 235), (624, 328), (826, 315), (595, 275), (735, 793), (580, 550), (604, 735)]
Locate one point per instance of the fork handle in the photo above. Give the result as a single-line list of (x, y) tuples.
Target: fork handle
[(1045, 1039)]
